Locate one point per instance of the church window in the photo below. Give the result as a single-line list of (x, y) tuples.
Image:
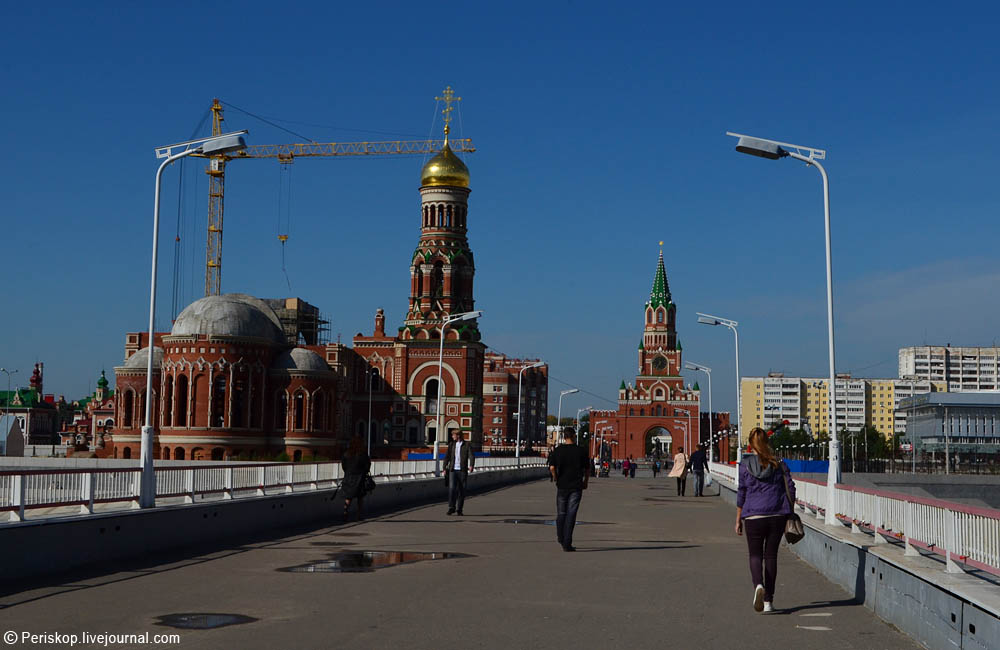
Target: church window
[(281, 411), (659, 315), (437, 279), (300, 404), (197, 419), (649, 316), (219, 402), (318, 405), (254, 404), (431, 395), (168, 402), (179, 453), (127, 410), (631, 411), (182, 398), (127, 453), (642, 412), (239, 403)]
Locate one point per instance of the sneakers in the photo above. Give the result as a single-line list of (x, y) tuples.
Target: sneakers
[(768, 607), (758, 598), (569, 548), (451, 511)]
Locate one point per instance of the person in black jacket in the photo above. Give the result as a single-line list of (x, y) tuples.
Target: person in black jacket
[(568, 466), (458, 462), (356, 465), (699, 464)]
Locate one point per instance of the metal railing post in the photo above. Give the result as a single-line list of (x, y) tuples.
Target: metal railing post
[(228, 485), (289, 475), (952, 545), (189, 486), (87, 493), (19, 497), (909, 549), (878, 522), (261, 477), (137, 490), (314, 477)]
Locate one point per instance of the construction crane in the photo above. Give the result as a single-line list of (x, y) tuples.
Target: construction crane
[(286, 153)]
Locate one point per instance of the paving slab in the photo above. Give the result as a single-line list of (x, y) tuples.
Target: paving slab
[(652, 570)]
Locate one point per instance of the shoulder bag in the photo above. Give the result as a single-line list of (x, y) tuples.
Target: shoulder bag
[(369, 484), (794, 530)]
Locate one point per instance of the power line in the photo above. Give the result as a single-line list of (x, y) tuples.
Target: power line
[(584, 391), (267, 121)]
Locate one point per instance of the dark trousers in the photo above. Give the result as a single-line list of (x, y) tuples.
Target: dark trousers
[(699, 483), (567, 504), (456, 489), (763, 537), (681, 485)]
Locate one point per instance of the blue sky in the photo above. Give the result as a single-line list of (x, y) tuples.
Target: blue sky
[(599, 131)]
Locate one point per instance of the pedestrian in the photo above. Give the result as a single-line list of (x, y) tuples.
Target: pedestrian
[(656, 468), (458, 462), (568, 467), (631, 467), (680, 470), (699, 465), (356, 465), (625, 465), (763, 503)]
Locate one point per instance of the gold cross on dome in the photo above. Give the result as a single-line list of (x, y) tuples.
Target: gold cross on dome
[(449, 97)]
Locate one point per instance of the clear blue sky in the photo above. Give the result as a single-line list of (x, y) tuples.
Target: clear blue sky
[(600, 130)]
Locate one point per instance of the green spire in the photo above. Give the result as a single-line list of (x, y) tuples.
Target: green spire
[(660, 295), (622, 387), (679, 345), (103, 381), (641, 346), (696, 386)]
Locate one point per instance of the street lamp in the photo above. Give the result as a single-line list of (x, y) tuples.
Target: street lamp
[(468, 315), (520, 405), (708, 319), (588, 409), (774, 150), (687, 427), (371, 373), (561, 394), (220, 144), (708, 371), (7, 402)]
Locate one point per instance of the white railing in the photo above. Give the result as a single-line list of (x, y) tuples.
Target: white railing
[(24, 490), (724, 471), (962, 534)]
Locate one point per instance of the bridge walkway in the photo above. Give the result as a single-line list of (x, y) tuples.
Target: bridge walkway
[(653, 570)]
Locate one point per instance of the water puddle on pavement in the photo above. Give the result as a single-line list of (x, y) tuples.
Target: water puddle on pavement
[(202, 621), (815, 628), (368, 561)]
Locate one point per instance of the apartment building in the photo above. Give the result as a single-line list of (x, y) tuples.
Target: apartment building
[(963, 368)]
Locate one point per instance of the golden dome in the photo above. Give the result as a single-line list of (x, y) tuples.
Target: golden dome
[(445, 169)]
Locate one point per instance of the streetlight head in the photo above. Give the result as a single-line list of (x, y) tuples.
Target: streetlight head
[(570, 391), (537, 364), (223, 144), (760, 148), (705, 320), (469, 315)]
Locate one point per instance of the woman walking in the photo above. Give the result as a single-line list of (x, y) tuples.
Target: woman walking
[(762, 506), (356, 464), (680, 470)]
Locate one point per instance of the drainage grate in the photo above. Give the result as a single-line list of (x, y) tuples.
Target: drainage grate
[(368, 561), (202, 621)]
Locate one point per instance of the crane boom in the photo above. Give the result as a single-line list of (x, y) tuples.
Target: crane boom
[(286, 153)]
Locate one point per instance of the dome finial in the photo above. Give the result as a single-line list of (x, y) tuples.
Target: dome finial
[(448, 98)]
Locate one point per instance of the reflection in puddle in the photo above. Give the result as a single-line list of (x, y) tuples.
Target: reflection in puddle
[(202, 621), (368, 561)]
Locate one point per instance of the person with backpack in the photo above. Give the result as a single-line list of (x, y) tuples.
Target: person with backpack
[(763, 504)]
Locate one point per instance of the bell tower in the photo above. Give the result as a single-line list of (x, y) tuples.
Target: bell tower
[(442, 267), (660, 351)]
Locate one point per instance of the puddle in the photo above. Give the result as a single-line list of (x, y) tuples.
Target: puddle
[(202, 621), (368, 561), (550, 522)]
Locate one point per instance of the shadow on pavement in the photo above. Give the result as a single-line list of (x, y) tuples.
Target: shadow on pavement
[(635, 548), (820, 604)]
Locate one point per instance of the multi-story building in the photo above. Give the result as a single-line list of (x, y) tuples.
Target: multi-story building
[(961, 423), (37, 413), (657, 413), (963, 368), (500, 401), (804, 402)]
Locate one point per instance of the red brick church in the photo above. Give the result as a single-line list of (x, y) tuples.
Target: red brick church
[(656, 413)]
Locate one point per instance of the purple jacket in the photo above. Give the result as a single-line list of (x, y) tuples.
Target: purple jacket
[(762, 491)]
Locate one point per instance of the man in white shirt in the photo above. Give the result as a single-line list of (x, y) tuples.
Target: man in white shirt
[(458, 462)]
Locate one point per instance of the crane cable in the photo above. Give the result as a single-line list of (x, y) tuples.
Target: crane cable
[(284, 205), (178, 275)]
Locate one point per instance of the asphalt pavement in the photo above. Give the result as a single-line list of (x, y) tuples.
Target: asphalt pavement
[(652, 570)]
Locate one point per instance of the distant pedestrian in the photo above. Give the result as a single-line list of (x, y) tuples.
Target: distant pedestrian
[(762, 506), (568, 466), (632, 466), (625, 466), (656, 468), (680, 470), (356, 465), (458, 462), (699, 465)]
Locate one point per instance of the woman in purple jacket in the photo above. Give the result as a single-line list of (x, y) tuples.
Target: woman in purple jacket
[(762, 507)]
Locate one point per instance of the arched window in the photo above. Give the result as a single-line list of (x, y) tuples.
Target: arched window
[(431, 396), (631, 411), (219, 401), (197, 418), (178, 453), (281, 411), (649, 316), (318, 411), (168, 402), (180, 419), (127, 453), (127, 409), (376, 380), (297, 456), (254, 404), (437, 279), (300, 410), (642, 412), (659, 393), (239, 403), (165, 454), (218, 453), (659, 315)]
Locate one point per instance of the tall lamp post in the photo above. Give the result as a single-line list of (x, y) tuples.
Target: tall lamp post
[(687, 427), (708, 371), (520, 405), (561, 395), (773, 150), (6, 408), (220, 144), (371, 373), (708, 319), (468, 315)]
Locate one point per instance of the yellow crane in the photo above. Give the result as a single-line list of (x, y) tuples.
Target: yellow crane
[(286, 153)]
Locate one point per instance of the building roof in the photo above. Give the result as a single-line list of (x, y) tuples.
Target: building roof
[(445, 169), (300, 359), (140, 361), (660, 294), (28, 398), (233, 314), (951, 399)]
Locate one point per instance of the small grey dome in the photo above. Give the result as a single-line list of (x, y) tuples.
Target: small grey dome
[(299, 359), (232, 314), (140, 360)]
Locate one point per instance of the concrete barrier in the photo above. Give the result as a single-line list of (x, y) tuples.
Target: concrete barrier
[(938, 610), (50, 546)]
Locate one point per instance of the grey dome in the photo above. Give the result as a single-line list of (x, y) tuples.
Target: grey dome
[(232, 314), (140, 360), (299, 359)]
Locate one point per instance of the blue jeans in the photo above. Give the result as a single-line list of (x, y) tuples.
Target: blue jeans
[(567, 503), (699, 483), (456, 489)]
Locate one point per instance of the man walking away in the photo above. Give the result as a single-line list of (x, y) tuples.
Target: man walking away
[(458, 462), (699, 463), (568, 465)]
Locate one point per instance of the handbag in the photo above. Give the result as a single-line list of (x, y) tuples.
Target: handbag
[(369, 484), (794, 530)]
